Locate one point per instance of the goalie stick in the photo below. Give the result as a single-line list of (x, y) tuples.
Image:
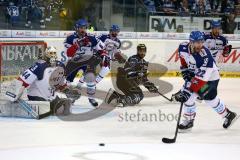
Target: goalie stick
[(173, 140)]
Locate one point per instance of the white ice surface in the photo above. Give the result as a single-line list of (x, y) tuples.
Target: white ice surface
[(54, 139)]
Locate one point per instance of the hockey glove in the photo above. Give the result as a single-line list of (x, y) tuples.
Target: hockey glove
[(72, 92), (119, 57), (187, 75), (227, 50), (151, 87), (181, 96)]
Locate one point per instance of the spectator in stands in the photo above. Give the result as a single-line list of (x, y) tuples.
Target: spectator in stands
[(229, 24), (191, 4), (168, 6), (237, 8), (215, 5), (90, 27), (12, 14), (184, 8), (101, 25), (150, 5), (34, 17), (227, 6), (200, 8)]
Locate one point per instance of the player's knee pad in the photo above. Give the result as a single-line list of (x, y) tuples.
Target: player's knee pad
[(212, 103), (191, 100), (89, 77), (103, 72)]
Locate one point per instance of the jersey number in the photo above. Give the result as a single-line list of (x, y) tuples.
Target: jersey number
[(26, 75), (200, 73)]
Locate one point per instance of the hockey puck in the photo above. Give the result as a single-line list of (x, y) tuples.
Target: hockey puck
[(101, 144)]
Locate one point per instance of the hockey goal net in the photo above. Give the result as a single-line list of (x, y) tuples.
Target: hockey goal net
[(15, 57)]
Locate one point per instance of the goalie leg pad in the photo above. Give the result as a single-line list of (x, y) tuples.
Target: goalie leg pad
[(15, 90), (10, 109)]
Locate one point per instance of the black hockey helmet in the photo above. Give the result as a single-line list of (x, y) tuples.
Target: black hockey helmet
[(141, 46), (141, 50)]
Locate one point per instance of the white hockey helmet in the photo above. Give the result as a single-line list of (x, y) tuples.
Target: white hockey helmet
[(50, 54)]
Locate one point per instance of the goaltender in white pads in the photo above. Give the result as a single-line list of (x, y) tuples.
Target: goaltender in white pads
[(42, 80)]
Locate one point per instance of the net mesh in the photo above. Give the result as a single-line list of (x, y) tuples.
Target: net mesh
[(15, 57)]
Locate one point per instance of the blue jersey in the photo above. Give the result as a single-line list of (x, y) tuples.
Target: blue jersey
[(215, 44)]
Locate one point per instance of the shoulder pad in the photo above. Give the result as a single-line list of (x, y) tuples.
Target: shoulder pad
[(38, 69), (183, 47)]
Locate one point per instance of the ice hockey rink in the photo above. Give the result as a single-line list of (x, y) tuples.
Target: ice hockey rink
[(126, 138)]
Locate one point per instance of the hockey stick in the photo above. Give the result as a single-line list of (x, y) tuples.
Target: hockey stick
[(173, 140), (235, 47), (222, 48), (164, 96)]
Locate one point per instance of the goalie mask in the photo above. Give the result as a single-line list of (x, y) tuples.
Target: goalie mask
[(50, 55)]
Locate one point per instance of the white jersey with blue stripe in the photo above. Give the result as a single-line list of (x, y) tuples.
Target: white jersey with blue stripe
[(112, 44), (215, 44), (202, 63), (37, 78), (94, 44)]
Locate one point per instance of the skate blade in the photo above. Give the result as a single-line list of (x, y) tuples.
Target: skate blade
[(233, 121)]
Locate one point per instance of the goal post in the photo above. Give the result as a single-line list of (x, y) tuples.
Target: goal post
[(15, 57)]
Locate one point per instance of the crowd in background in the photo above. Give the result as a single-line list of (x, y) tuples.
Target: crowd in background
[(61, 14), (195, 7), (29, 13), (47, 14), (227, 10)]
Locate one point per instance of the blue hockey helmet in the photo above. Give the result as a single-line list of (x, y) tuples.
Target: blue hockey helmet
[(196, 36), (114, 28), (80, 23), (216, 24)]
